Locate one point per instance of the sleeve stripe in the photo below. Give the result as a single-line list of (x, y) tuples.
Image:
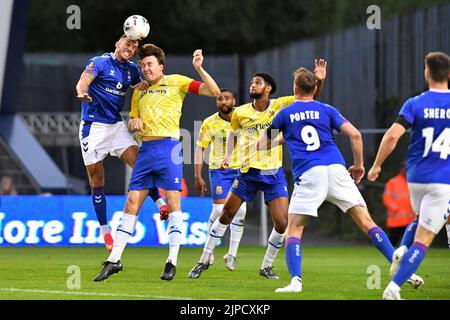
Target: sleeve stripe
[(194, 87)]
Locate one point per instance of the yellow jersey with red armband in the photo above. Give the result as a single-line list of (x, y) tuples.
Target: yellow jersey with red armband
[(251, 123), (159, 107)]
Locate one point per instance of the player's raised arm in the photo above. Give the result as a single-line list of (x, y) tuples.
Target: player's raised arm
[(357, 170), (321, 73), (209, 87), (83, 86), (388, 144)]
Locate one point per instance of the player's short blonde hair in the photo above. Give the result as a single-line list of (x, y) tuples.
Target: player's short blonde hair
[(305, 80)]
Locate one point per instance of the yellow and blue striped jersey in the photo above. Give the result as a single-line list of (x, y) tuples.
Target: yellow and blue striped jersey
[(214, 132), (251, 125), (159, 107)]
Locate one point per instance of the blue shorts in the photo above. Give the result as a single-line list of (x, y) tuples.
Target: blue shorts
[(159, 164), (271, 182), (221, 181)]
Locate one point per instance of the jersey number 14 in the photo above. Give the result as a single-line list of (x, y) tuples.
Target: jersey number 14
[(440, 145)]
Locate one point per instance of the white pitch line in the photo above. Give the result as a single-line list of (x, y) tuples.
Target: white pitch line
[(94, 294)]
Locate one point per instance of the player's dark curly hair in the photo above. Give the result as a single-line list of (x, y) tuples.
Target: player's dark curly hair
[(150, 49), (267, 79)]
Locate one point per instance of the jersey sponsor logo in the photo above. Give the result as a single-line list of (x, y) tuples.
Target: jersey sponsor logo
[(258, 127), (153, 91), (116, 92)]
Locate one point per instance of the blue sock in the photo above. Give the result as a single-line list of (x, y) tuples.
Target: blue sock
[(381, 241), (154, 194), (408, 236), (99, 201), (410, 262), (294, 256)]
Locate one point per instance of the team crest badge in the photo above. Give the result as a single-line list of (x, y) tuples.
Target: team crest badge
[(219, 190)]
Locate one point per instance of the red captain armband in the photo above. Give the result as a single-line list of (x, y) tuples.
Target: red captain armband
[(194, 87)]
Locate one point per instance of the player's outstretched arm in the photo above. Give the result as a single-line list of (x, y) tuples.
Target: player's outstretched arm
[(209, 87), (388, 144), (357, 170), (83, 87), (320, 71), (200, 184)]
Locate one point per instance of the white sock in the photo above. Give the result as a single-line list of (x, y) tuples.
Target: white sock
[(296, 281), (216, 233), (275, 242), (104, 229), (160, 202), (393, 286), (448, 233), (237, 230), (124, 230), (216, 210), (175, 226)]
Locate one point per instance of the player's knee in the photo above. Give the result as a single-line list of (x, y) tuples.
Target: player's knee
[(280, 224), (227, 215)]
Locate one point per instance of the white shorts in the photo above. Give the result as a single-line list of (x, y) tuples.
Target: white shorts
[(432, 203), (97, 140), (332, 183)]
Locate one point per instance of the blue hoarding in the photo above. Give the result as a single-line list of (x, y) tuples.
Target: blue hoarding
[(71, 221)]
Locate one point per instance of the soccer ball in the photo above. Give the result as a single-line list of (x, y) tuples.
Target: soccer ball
[(136, 27)]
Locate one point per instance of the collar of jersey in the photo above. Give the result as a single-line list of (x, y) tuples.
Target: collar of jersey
[(440, 90), (160, 82), (268, 105), (218, 114)]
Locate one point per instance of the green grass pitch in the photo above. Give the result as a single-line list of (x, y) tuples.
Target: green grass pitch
[(328, 273)]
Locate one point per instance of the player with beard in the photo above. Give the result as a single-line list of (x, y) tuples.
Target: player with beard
[(214, 132), (260, 169)]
